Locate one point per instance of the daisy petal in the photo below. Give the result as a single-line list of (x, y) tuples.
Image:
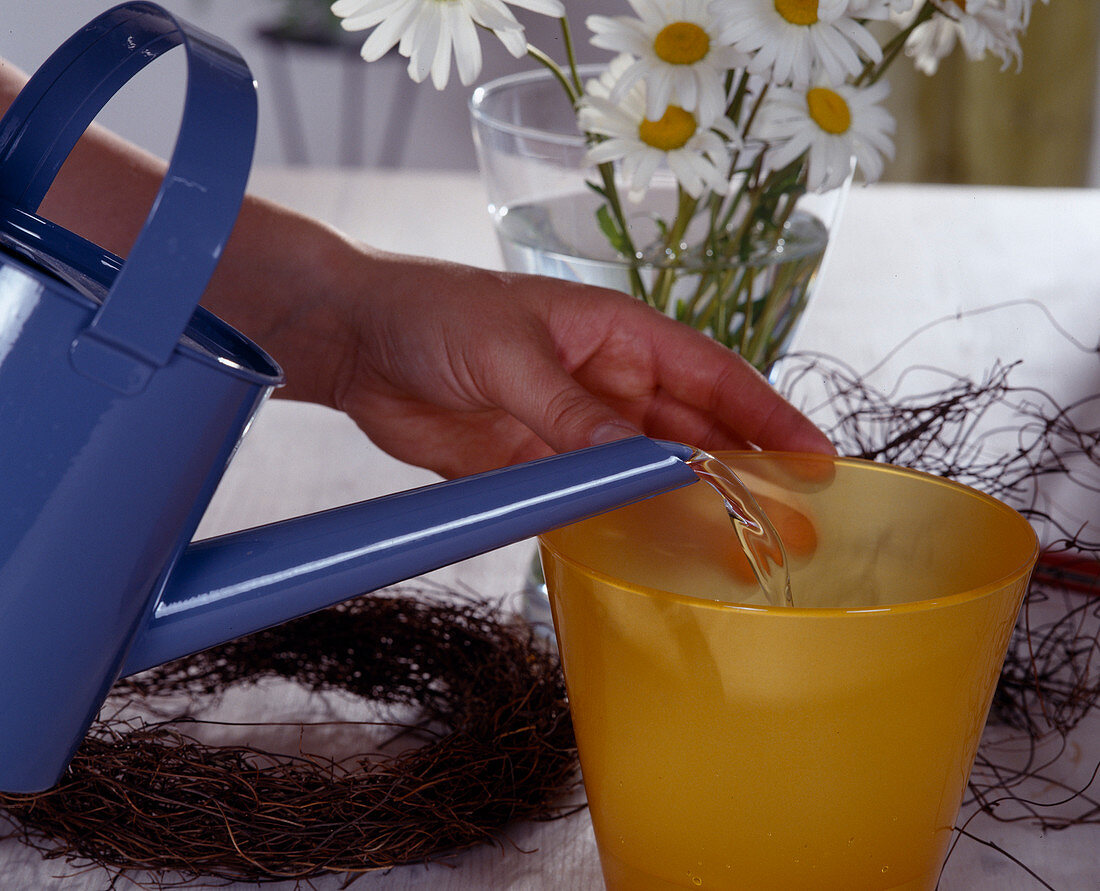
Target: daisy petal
[(467, 49)]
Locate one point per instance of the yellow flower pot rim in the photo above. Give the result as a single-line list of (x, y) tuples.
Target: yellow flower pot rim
[(832, 613)]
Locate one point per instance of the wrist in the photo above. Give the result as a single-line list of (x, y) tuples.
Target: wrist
[(280, 283)]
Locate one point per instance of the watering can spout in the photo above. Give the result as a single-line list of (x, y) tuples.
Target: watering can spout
[(222, 588)]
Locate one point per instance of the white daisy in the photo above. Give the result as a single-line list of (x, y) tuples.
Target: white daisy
[(792, 39), (833, 124), (981, 26), (677, 51), (695, 150), (425, 31)]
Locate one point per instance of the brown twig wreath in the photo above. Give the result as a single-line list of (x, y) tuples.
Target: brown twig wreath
[(499, 747)]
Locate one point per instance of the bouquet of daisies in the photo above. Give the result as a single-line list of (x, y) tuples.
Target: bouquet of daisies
[(749, 104)]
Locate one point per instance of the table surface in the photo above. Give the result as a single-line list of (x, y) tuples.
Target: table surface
[(947, 277)]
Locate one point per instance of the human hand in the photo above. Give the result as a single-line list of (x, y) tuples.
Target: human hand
[(461, 369)]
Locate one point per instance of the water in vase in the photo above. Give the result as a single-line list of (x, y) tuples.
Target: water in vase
[(560, 237)]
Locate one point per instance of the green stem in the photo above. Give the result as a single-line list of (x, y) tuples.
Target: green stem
[(756, 106), (873, 71), (611, 193), (781, 295), (690, 309), (570, 55), (743, 190), (737, 96), (748, 322), (666, 277), (539, 56), (740, 243), (753, 172), (716, 201)]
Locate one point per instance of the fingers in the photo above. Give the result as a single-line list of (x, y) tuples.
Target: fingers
[(573, 366), (718, 390), (612, 367), (665, 417)]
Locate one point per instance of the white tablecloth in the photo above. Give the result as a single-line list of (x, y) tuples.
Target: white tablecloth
[(904, 257)]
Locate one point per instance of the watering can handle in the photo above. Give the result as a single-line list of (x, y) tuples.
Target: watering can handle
[(155, 293)]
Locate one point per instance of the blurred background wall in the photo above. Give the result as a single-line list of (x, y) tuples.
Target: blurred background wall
[(976, 123), (316, 91), (320, 104)]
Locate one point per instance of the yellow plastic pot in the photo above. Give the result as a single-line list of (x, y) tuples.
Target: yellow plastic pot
[(726, 743)]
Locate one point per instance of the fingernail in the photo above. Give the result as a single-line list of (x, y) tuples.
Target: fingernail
[(612, 431)]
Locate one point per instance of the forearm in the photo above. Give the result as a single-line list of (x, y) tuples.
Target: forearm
[(261, 285), (284, 281)]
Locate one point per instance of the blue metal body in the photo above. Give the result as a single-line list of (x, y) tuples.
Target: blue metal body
[(121, 403)]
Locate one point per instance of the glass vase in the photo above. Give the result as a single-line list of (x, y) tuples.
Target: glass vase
[(745, 283)]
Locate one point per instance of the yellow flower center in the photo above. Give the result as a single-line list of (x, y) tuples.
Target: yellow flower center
[(829, 110), (798, 12), (671, 132), (681, 43)]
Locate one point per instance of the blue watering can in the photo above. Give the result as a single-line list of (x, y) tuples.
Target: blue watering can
[(122, 401)]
